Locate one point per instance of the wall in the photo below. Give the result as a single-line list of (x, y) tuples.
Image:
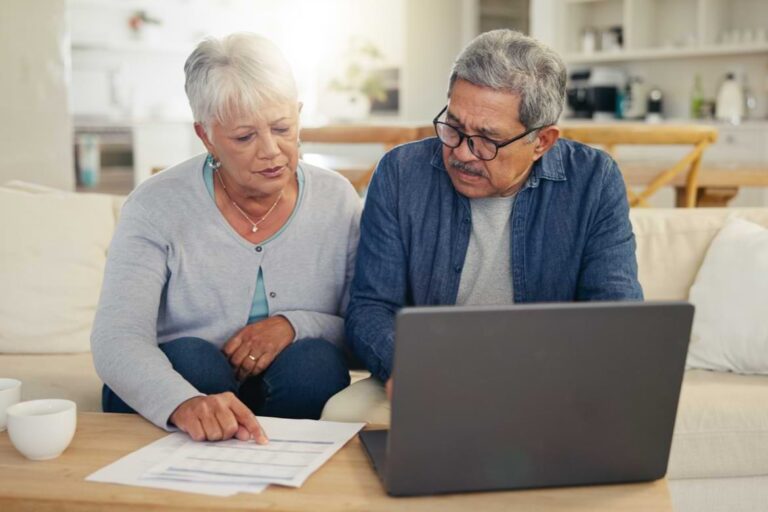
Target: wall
[(433, 39), (543, 12), (35, 132)]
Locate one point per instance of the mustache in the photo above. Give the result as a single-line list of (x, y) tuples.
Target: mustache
[(463, 166)]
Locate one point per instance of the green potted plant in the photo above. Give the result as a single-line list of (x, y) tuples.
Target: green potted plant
[(350, 93)]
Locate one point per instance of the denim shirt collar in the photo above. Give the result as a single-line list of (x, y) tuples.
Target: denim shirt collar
[(548, 167)]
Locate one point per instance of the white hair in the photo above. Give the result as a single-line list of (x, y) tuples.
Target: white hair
[(510, 61), (236, 75)]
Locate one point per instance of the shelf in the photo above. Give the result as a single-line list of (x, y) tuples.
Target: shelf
[(665, 53), (112, 180), (138, 46)]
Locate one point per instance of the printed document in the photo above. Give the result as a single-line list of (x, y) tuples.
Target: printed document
[(296, 449)]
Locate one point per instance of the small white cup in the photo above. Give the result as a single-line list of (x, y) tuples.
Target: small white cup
[(10, 393), (42, 429)]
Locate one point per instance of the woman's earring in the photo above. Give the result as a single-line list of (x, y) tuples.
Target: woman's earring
[(215, 164)]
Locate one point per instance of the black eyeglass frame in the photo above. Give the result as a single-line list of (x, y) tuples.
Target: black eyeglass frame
[(470, 142)]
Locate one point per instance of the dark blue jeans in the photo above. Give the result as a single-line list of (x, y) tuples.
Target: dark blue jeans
[(296, 385)]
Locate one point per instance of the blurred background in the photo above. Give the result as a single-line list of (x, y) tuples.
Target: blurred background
[(92, 91)]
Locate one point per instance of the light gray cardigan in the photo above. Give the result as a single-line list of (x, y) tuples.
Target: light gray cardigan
[(176, 268)]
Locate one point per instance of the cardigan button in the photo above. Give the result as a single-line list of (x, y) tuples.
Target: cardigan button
[(258, 248), (272, 294)]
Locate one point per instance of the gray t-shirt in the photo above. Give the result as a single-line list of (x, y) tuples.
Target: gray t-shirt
[(487, 277)]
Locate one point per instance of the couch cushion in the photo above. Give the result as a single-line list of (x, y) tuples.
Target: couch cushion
[(52, 254), (745, 494), (671, 244), (117, 201), (722, 426), (70, 376), (730, 328)]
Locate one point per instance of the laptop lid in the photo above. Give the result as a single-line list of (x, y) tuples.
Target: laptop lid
[(539, 395)]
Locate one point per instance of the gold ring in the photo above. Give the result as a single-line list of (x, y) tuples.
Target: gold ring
[(251, 358)]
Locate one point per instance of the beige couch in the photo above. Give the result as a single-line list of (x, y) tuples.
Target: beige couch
[(52, 257)]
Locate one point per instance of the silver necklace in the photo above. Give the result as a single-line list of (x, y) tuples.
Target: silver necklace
[(254, 225)]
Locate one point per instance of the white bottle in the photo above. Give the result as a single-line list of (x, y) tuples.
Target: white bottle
[(730, 101)]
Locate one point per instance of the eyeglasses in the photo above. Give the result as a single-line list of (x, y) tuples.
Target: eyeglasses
[(480, 146)]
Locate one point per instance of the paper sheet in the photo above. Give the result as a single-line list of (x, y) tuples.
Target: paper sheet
[(129, 470), (296, 449)]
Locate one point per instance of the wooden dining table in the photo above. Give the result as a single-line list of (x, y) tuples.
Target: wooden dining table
[(717, 184), (696, 182)]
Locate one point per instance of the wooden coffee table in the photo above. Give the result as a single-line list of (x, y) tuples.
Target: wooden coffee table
[(346, 482)]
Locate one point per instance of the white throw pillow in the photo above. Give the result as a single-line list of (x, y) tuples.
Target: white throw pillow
[(52, 254), (730, 327)]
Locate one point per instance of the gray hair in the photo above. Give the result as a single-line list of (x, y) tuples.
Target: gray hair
[(236, 75), (510, 61)]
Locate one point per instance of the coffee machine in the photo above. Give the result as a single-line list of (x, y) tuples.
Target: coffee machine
[(577, 95), (594, 93)]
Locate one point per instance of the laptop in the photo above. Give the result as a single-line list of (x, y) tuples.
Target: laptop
[(525, 396)]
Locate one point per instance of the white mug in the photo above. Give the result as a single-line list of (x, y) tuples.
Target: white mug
[(10, 393), (42, 429)]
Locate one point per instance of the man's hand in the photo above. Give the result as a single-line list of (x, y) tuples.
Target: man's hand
[(217, 417), (388, 388), (253, 349)]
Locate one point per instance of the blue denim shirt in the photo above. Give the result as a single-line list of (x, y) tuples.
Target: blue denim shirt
[(571, 239)]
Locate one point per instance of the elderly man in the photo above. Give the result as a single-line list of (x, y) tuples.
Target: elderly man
[(495, 210)]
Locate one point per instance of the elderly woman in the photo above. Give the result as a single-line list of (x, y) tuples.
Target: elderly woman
[(228, 274)]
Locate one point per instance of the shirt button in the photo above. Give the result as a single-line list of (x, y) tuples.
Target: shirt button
[(258, 248), (272, 294), (457, 268)]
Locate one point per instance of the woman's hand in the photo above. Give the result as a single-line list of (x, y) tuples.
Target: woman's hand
[(217, 417), (253, 349)]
